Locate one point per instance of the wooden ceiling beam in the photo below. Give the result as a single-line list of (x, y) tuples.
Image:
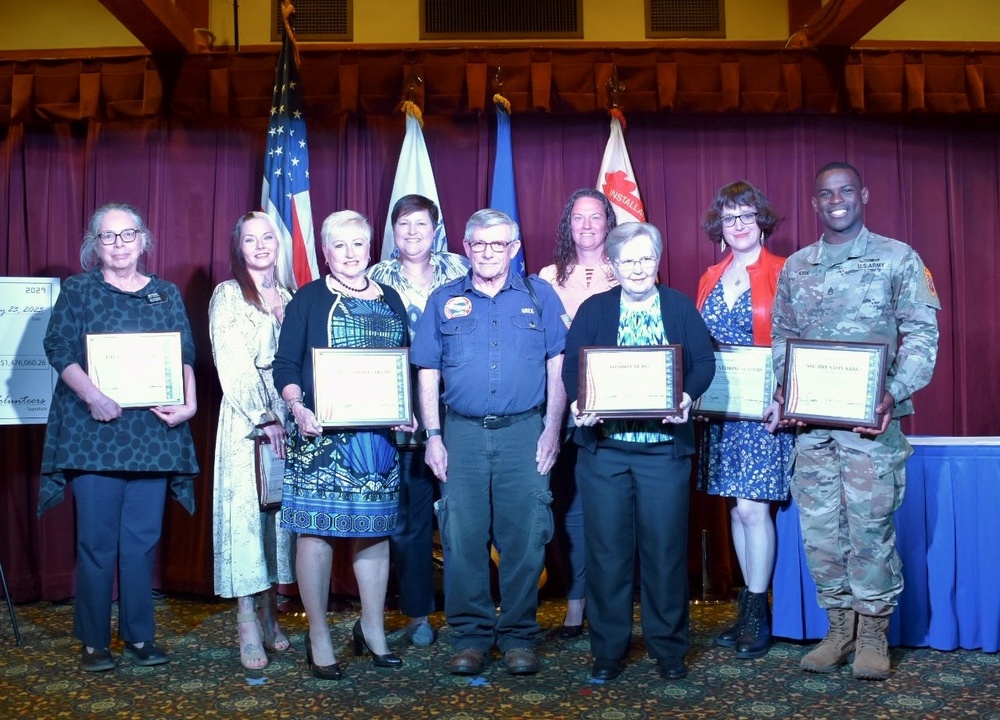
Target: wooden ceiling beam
[(799, 12), (160, 25), (842, 23)]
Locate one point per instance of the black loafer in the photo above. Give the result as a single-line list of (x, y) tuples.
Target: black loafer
[(672, 668), (605, 669), (148, 655), (97, 661), (568, 632)]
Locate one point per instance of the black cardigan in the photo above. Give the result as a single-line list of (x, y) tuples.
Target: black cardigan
[(596, 323)]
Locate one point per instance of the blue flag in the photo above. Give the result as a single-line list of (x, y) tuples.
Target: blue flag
[(503, 193)]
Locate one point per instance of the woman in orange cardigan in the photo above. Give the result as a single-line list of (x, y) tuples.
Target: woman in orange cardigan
[(745, 461)]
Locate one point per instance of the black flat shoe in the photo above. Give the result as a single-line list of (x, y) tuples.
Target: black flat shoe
[(605, 669), (389, 660), (568, 632), (148, 655), (97, 661), (321, 672)]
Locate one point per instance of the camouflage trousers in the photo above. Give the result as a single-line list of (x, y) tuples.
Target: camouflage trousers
[(847, 488)]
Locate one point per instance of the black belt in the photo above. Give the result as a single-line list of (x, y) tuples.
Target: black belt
[(495, 422)]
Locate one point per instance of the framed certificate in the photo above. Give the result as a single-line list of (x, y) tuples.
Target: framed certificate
[(362, 387), (834, 384), (137, 370), (743, 385), (630, 382)]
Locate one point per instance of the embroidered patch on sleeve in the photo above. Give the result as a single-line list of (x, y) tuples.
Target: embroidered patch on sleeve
[(930, 283)]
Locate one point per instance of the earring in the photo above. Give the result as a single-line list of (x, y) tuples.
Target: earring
[(722, 245), (762, 238)]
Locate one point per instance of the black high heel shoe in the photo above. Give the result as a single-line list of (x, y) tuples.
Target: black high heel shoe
[(321, 672), (389, 660)]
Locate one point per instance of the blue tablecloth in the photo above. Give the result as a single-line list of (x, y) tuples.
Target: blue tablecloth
[(947, 534)]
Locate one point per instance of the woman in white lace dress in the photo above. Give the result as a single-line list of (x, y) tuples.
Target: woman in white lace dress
[(252, 552)]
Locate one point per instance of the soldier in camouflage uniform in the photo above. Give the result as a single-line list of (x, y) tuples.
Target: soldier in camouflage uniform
[(853, 285)]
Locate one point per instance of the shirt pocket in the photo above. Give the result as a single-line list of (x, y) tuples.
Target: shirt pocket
[(458, 344), (529, 338), (873, 297)]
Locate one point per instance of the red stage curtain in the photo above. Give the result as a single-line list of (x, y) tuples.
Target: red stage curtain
[(933, 181)]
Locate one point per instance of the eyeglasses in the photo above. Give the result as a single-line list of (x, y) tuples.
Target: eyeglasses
[(629, 266), (109, 238), (747, 218), (497, 246)]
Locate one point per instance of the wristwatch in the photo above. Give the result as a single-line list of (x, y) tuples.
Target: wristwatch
[(435, 432)]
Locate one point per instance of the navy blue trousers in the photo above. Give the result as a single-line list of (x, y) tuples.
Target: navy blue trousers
[(413, 541), (118, 523)]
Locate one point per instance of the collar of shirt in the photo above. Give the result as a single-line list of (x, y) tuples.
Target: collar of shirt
[(513, 282), (859, 246)]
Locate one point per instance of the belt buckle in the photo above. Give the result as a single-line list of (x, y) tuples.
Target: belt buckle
[(491, 422)]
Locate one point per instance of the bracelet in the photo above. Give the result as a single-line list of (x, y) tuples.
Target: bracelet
[(291, 403)]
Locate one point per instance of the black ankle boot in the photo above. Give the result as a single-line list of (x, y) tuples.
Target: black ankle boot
[(729, 636), (756, 638)]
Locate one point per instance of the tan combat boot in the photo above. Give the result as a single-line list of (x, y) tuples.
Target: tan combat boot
[(836, 647), (871, 661)]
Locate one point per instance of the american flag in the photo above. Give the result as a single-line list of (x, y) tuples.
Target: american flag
[(285, 191)]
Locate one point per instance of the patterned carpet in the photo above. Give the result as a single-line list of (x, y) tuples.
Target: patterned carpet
[(205, 680)]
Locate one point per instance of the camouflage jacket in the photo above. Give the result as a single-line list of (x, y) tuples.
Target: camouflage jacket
[(881, 292)]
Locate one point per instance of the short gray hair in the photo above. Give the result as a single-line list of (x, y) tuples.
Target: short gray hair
[(89, 257), (337, 222), (488, 218), (629, 231)]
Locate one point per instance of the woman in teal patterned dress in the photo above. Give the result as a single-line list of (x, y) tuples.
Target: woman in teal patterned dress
[(338, 482), (742, 460)]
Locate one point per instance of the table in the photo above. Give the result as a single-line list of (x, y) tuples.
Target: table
[(947, 530)]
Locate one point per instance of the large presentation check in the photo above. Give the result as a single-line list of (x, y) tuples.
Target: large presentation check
[(26, 378)]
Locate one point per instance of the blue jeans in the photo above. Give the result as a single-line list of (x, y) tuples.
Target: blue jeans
[(412, 543), (493, 484), (118, 522)]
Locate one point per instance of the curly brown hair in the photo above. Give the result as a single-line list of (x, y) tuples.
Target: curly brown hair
[(565, 249)]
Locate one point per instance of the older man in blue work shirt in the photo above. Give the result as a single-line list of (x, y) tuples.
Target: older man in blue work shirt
[(496, 340)]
